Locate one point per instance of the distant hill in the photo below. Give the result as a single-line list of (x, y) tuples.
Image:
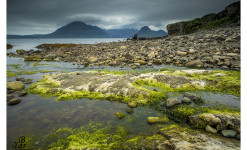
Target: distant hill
[(122, 33), (148, 33), (78, 29)]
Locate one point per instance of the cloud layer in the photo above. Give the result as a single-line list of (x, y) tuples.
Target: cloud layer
[(45, 16)]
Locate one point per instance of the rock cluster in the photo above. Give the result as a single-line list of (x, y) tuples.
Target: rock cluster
[(16, 87), (228, 125), (214, 48)]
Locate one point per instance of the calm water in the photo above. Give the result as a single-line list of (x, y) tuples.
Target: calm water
[(28, 44)]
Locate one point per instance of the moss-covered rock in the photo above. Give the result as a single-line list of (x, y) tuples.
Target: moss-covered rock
[(15, 85), (153, 120), (132, 104), (120, 115), (33, 58)]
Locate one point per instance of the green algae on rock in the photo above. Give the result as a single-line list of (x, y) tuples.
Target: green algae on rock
[(153, 120), (120, 115)]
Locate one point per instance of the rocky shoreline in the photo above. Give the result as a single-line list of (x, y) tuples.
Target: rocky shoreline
[(213, 48)]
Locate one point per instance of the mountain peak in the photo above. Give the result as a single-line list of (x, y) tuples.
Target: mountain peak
[(145, 29)]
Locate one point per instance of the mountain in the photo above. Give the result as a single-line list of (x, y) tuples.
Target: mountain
[(122, 33), (148, 33), (79, 29)]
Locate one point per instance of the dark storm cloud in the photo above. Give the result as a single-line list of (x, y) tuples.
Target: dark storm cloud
[(44, 16)]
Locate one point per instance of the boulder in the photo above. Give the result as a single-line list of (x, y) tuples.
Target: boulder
[(15, 85), (13, 102), (170, 102), (153, 120), (229, 133), (128, 56), (193, 63), (151, 55), (28, 81)]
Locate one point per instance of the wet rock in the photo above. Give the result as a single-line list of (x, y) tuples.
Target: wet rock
[(210, 129), (170, 102), (229, 133), (15, 85), (28, 81), (153, 120), (151, 55), (20, 79), (132, 104), (191, 51), (10, 97), (129, 110), (193, 63), (186, 100), (22, 93), (33, 58), (120, 115), (13, 102), (10, 91), (192, 97)]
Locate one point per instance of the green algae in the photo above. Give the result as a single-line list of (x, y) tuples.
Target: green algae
[(46, 71), (95, 136), (17, 73)]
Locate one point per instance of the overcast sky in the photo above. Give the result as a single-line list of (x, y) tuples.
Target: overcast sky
[(45, 16)]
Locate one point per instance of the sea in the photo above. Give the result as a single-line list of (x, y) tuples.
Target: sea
[(28, 44)]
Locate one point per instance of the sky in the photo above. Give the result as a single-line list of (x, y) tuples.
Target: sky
[(26, 17)]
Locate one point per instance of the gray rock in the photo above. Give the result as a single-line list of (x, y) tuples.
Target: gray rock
[(229, 133), (192, 97), (22, 93), (193, 63), (170, 102), (186, 100), (19, 79), (10, 97)]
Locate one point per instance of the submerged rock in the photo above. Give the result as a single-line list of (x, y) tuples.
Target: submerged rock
[(22, 93), (13, 102), (120, 115), (192, 97), (129, 110), (153, 120)]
